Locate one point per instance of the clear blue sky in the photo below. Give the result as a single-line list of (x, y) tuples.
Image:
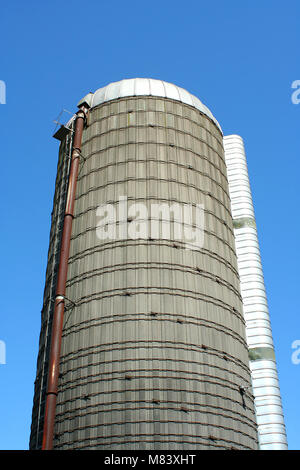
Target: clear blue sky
[(239, 57)]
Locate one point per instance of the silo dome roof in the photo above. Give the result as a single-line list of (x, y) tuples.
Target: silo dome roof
[(146, 87)]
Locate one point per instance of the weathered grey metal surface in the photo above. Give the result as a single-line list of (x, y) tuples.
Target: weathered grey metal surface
[(271, 429), (154, 354)]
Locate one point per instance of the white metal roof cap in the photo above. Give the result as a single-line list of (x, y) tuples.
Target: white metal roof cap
[(146, 87)]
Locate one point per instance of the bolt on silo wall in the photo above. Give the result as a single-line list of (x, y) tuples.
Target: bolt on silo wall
[(154, 354)]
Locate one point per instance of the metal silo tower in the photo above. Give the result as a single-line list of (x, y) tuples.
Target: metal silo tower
[(269, 413), (144, 346)]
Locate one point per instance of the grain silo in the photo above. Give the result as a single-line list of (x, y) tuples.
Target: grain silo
[(148, 338), (269, 413)]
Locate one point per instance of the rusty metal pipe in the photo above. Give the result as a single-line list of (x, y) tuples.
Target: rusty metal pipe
[(58, 315)]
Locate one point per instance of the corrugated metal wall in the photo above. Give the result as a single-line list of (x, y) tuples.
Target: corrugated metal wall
[(154, 354)]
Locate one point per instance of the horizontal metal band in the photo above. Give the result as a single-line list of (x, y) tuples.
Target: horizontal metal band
[(158, 144), (179, 440), (140, 112), (149, 179), (157, 161), (244, 222), (257, 354)]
